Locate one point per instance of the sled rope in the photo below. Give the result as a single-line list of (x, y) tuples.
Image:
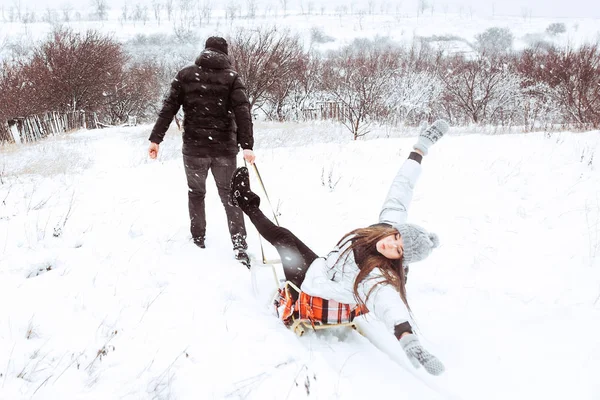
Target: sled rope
[(262, 249), (265, 191)]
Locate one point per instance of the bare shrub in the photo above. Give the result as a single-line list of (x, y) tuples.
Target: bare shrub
[(556, 28), (15, 94), (135, 95), (416, 87), (330, 177), (74, 71), (494, 40), (317, 35)]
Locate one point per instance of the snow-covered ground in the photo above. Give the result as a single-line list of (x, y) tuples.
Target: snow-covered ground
[(121, 305)]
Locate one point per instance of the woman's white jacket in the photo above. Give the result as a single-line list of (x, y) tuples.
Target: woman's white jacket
[(332, 280)]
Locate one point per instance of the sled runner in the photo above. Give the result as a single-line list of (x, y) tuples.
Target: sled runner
[(300, 326)]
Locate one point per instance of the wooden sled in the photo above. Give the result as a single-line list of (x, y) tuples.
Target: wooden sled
[(300, 326)]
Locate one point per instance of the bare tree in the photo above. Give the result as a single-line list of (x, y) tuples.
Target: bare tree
[(416, 88), (50, 16), (124, 13), (169, 8), (384, 7), (18, 10), (251, 8), (66, 9), (371, 7), (422, 6), (358, 78), (231, 10), (305, 83), (264, 57), (287, 98), (481, 90), (100, 9), (206, 10), (140, 13), (284, 6), (28, 17), (361, 17), (157, 7), (184, 28)]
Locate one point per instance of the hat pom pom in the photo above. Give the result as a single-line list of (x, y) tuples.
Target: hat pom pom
[(435, 240)]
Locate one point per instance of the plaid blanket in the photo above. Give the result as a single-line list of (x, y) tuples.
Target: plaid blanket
[(316, 309)]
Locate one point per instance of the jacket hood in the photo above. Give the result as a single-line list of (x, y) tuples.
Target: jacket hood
[(213, 59)]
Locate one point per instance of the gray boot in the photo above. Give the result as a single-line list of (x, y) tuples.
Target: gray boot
[(419, 356)]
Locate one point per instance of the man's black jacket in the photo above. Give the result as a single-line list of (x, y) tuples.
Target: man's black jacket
[(215, 106)]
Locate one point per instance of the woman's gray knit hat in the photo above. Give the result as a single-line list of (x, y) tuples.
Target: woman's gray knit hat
[(418, 243)]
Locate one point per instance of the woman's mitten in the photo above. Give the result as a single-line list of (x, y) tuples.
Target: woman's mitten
[(431, 135), (419, 356)]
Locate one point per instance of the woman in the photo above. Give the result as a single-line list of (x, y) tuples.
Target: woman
[(365, 272)]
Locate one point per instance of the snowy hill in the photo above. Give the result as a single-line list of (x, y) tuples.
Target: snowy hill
[(336, 22), (120, 304)]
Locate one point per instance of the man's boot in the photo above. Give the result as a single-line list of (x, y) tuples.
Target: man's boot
[(239, 249)]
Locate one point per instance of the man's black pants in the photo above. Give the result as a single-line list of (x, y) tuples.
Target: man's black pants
[(196, 171)]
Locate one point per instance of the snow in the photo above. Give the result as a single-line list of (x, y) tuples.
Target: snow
[(402, 26), (121, 304), (104, 296)]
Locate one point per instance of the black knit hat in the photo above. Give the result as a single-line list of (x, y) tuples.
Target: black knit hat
[(216, 43)]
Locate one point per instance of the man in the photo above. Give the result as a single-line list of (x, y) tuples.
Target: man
[(216, 121)]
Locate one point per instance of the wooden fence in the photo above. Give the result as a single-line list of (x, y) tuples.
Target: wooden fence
[(36, 127), (326, 110)]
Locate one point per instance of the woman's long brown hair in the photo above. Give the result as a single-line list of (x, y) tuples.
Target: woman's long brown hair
[(362, 243)]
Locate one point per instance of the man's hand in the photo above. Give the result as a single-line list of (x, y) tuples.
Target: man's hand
[(249, 156), (153, 150)]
